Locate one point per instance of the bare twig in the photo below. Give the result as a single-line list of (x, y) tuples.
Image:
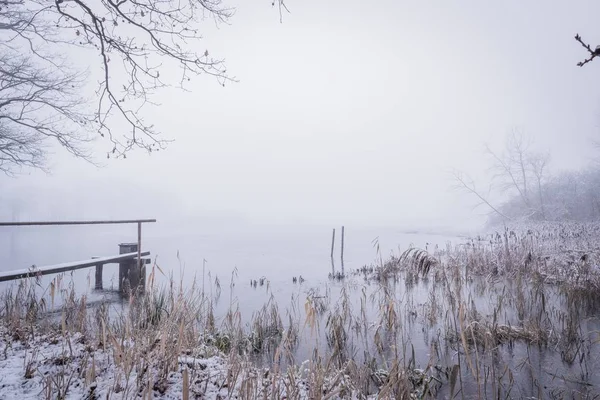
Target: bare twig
[(467, 185), (593, 53), (130, 41)]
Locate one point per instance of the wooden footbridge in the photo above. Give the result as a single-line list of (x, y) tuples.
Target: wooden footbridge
[(131, 259)]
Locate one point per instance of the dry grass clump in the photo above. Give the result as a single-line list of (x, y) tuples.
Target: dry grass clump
[(413, 262), (418, 261), (488, 335)]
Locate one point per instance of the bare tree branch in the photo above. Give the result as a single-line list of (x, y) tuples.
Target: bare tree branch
[(37, 105), (282, 6), (464, 183), (130, 41), (593, 53)]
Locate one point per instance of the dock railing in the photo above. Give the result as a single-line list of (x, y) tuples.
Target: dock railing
[(130, 255)]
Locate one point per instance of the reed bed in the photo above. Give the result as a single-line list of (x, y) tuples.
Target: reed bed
[(510, 315)]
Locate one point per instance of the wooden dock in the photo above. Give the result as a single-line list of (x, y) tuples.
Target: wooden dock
[(131, 259)]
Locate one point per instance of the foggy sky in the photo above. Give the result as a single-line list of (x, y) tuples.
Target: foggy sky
[(354, 112)]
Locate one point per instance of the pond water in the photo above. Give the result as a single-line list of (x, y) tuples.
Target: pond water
[(236, 256), (277, 253)]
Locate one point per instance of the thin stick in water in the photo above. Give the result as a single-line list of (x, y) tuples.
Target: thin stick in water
[(342, 253), (332, 242)]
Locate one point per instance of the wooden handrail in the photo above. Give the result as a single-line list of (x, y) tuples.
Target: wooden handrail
[(98, 262), (69, 266), (101, 222)]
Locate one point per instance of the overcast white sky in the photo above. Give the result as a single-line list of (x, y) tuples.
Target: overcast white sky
[(354, 111)]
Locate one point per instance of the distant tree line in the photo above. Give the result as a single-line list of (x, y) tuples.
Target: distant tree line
[(567, 196), (521, 188)]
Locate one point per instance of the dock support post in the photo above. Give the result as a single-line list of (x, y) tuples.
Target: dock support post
[(128, 279), (132, 273), (141, 265), (139, 246), (98, 285), (98, 280)]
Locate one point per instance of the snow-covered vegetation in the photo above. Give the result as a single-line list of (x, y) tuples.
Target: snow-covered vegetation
[(425, 323)]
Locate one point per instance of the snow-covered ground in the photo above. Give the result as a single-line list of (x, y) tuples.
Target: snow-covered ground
[(49, 365), (52, 366)]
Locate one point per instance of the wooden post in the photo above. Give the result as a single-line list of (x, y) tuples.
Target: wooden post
[(332, 242), (99, 276), (139, 245), (141, 267), (342, 253), (98, 283), (127, 278), (332, 266)]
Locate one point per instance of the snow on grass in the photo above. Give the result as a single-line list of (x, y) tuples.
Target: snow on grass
[(564, 254), (67, 366), (50, 366)]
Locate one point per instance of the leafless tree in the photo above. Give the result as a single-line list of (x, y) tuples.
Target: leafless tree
[(511, 166), (538, 163), (513, 170), (43, 98)]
